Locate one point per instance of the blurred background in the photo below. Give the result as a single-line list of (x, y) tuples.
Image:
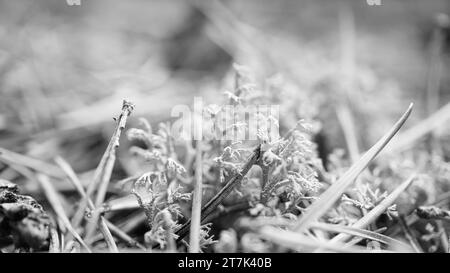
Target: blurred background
[(64, 70)]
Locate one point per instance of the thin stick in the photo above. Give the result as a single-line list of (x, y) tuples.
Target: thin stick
[(334, 192), (54, 241), (194, 242), (104, 169)]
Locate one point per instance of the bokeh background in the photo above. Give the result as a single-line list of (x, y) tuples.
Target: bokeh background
[(64, 70)]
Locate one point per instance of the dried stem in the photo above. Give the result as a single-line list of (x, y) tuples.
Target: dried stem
[(104, 170), (196, 202)]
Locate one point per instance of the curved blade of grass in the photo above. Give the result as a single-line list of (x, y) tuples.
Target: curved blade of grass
[(334, 192), (120, 203), (423, 128), (53, 199)]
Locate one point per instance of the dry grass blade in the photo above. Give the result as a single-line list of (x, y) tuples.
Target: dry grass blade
[(53, 199), (194, 244), (379, 209), (29, 162), (104, 169), (334, 192), (366, 234), (298, 241), (77, 184)]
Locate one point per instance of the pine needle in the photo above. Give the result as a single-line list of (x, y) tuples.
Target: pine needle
[(78, 186), (379, 209), (52, 197), (104, 170)]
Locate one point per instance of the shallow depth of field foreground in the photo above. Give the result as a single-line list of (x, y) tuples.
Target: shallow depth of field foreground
[(224, 126)]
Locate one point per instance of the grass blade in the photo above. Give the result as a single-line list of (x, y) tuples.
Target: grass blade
[(379, 209), (333, 193)]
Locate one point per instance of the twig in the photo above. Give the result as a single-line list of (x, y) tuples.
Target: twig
[(103, 172)]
